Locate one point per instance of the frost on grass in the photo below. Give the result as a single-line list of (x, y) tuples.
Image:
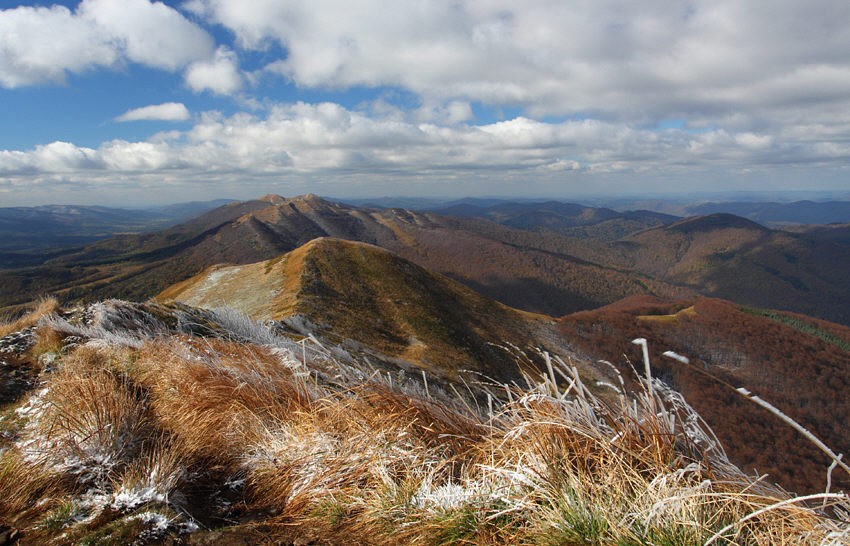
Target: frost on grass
[(298, 430), (153, 477)]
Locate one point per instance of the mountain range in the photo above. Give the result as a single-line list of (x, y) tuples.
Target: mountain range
[(539, 271), (31, 235)]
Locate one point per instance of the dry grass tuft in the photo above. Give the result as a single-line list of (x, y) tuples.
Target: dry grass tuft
[(93, 421), (42, 307), (26, 489), (152, 477), (212, 395)]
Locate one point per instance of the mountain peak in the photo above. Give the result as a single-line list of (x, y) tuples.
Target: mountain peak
[(272, 198), (712, 222), (309, 198)]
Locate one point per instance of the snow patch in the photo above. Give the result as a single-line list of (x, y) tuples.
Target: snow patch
[(35, 406)]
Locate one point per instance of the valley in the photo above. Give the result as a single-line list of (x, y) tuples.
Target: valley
[(538, 271)]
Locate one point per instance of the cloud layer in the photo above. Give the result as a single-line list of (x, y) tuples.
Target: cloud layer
[(654, 59), (599, 86), (328, 139)]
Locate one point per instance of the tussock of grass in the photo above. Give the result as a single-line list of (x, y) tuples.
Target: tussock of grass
[(42, 308), (93, 420), (285, 436)]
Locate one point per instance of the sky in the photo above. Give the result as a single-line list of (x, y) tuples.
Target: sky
[(132, 102)]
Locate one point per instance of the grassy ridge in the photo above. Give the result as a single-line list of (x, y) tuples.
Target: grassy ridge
[(141, 437)]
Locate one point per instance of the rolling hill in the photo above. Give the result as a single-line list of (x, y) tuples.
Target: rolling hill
[(733, 258), (564, 218), (523, 269), (27, 230), (777, 214)]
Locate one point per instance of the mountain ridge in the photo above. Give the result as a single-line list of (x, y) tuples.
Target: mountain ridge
[(538, 271), (365, 293)]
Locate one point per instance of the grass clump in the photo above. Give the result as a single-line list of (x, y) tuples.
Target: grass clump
[(41, 308)]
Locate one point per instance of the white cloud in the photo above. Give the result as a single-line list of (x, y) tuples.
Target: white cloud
[(58, 157), (169, 111), (149, 33), (644, 61), (40, 45), (328, 140), (219, 75)]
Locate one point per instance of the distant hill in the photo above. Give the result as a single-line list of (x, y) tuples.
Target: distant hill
[(190, 209), (837, 233), (25, 228), (425, 203), (531, 271), (32, 235), (361, 292), (800, 364), (776, 214), (730, 257), (538, 271), (565, 218)]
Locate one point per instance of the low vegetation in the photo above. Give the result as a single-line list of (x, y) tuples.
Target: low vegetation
[(730, 348), (139, 431), (42, 307), (800, 325)]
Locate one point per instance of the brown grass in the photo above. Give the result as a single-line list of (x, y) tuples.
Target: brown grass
[(23, 485), (93, 420), (42, 307), (345, 454)]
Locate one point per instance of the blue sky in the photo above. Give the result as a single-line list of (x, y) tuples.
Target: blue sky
[(135, 102)]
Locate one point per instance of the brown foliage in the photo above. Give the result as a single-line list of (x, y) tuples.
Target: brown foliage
[(804, 376)]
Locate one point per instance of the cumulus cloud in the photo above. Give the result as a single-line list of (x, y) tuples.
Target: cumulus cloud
[(169, 111), (602, 86), (329, 140), (40, 44), (219, 75), (640, 61)]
